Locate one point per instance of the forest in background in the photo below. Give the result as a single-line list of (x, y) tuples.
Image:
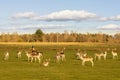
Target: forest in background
[(40, 36)]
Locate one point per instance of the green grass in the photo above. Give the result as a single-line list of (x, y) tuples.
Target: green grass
[(15, 69)]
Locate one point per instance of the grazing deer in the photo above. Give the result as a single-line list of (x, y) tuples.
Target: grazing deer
[(34, 55), (101, 55), (87, 59), (114, 54), (79, 54), (97, 55), (46, 62), (6, 55)]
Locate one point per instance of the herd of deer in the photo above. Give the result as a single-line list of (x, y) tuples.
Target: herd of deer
[(85, 58), (60, 55)]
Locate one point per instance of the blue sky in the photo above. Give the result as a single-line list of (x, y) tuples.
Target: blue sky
[(82, 16)]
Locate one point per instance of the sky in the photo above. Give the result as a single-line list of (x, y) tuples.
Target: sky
[(81, 16)]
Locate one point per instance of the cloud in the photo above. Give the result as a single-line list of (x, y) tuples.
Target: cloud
[(34, 26), (43, 26), (31, 28), (65, 15), (25, 15), (115, 18), (111, 18), (103, 19), (109, 27)]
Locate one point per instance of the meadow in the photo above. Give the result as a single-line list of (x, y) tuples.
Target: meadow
[(71, 69)]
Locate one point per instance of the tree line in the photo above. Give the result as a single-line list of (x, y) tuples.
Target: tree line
[(66, 36)]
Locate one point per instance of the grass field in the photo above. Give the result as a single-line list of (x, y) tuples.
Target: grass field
[(15, 69)]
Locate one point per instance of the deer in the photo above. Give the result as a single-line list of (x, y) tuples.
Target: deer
[(34, 55), (46, 62), (99, 55), (60, 56), (78, 54), (19, 54), (114, 54), (57, 56), (6, 55), (86, 59)]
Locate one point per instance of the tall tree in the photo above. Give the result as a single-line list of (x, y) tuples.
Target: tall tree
[(38, 35)]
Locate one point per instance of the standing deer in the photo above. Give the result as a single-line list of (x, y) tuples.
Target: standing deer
[(35, 56), (114, 54), (19, 54), (86, 59), (6, 55)]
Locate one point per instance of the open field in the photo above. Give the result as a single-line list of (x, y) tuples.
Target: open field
[(61, 43), (20, 69)]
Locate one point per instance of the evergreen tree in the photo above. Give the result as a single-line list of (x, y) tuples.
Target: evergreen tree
[(38, 35)]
